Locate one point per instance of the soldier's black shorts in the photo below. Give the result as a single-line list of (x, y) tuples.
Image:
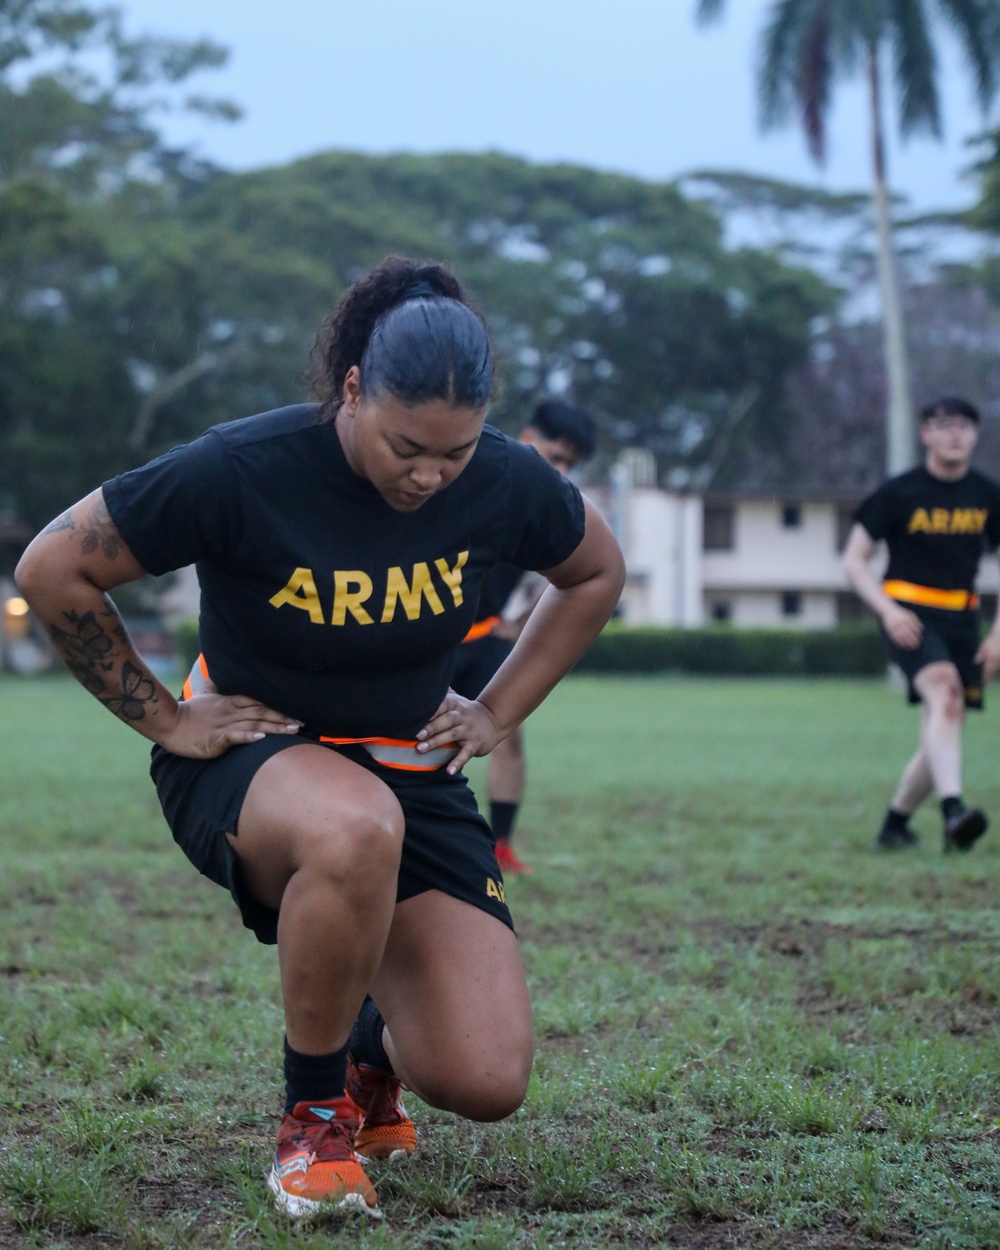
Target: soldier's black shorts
[(953, 637), (448, 846), (476, 663)]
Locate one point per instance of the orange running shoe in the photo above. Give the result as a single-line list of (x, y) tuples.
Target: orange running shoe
[(386, 1131), (508, 860), (315, 1168)]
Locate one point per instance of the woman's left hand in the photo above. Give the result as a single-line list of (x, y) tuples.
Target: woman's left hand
[(460, 722)]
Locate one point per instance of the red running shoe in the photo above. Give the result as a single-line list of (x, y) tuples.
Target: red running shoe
[(508, 860), (386, 1131), (315, 1168)]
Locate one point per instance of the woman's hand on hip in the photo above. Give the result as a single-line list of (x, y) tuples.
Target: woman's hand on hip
[(460, 722), (207, 725)]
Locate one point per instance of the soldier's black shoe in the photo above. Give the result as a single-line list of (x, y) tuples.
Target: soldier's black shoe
[(964, 829), (895, 838)]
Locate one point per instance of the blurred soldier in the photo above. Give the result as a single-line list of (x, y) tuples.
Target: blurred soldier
[(935, 520), (565, 436)]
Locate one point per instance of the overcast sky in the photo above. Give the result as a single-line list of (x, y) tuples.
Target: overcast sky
[(627, 85)]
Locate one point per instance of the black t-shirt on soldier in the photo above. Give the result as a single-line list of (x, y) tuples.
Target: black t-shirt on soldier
[(498, 586), (316, 597), (935, 530)]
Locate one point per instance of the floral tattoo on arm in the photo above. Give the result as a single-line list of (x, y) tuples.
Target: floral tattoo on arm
[(99, 531)]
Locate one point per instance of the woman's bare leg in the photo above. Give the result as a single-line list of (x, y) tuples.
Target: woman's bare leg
[(319, 840), (451, 989)]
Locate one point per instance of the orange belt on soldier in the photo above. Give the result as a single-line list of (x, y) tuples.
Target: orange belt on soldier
[(482, 628), (390, 752), (931, 596)]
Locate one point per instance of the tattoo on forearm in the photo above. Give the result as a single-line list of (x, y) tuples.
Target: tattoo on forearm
[(88, 651), (137, 691), (99, 531), (64, 522), (115, 626), (88, 646)]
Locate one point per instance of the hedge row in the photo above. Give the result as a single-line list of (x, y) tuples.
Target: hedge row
[(848, 651), (186, 640)]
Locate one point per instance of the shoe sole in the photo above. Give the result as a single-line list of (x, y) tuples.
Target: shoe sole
[(396, 1155), (298, 1208), (967, 831)]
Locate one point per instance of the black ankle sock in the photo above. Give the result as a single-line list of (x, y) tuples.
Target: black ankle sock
[(366, 1038), (895, 819), (951, 806), (502, 817), (316, 1077)]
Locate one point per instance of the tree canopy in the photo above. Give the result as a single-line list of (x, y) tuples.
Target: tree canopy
[(146, 295)]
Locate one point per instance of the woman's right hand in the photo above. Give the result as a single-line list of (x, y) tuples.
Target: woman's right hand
[(207, 725)]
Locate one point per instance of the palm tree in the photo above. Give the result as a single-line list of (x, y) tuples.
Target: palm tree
[(806, 46)]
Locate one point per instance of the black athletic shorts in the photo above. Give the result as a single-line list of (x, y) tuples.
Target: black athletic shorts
[(953, 637), (448, 846), (476, 663)]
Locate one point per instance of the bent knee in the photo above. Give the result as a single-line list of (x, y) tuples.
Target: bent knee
[(492, 1094), (365, 836)]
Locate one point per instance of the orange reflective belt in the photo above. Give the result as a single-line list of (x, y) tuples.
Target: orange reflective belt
[(931, 597), (197, 679), (391, 752), (482, 628), (401, 753)]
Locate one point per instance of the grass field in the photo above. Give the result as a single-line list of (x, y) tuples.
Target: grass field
[(752, 1031)]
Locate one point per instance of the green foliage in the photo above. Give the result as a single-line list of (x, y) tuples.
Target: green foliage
[(590, 280), (986, 214), (186, 641), (806, 47), (855, 651), (80, 169)]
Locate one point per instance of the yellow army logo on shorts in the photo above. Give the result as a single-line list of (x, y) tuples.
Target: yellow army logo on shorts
[(353, 588), (494, 889), (948, 521)]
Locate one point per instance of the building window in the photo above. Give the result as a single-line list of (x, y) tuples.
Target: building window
[(791, 516), (722, 611), (845, 523), (719, 528), (791, 603)]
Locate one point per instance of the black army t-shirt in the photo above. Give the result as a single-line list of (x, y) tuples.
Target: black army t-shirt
[(498, 586), (319, 599), (935, 530)]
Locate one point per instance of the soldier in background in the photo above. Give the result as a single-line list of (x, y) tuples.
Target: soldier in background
[(934, 519)]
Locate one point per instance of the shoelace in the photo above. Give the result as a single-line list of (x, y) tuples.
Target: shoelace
[(324, 1137), (381, 1092)]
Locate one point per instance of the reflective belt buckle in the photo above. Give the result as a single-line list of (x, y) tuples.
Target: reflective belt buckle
[(197, 679), (401, 753)]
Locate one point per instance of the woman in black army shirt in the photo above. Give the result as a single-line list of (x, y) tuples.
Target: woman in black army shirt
[(340, 547)]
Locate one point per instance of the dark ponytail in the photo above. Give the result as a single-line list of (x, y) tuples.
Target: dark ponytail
[(411, 330)]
